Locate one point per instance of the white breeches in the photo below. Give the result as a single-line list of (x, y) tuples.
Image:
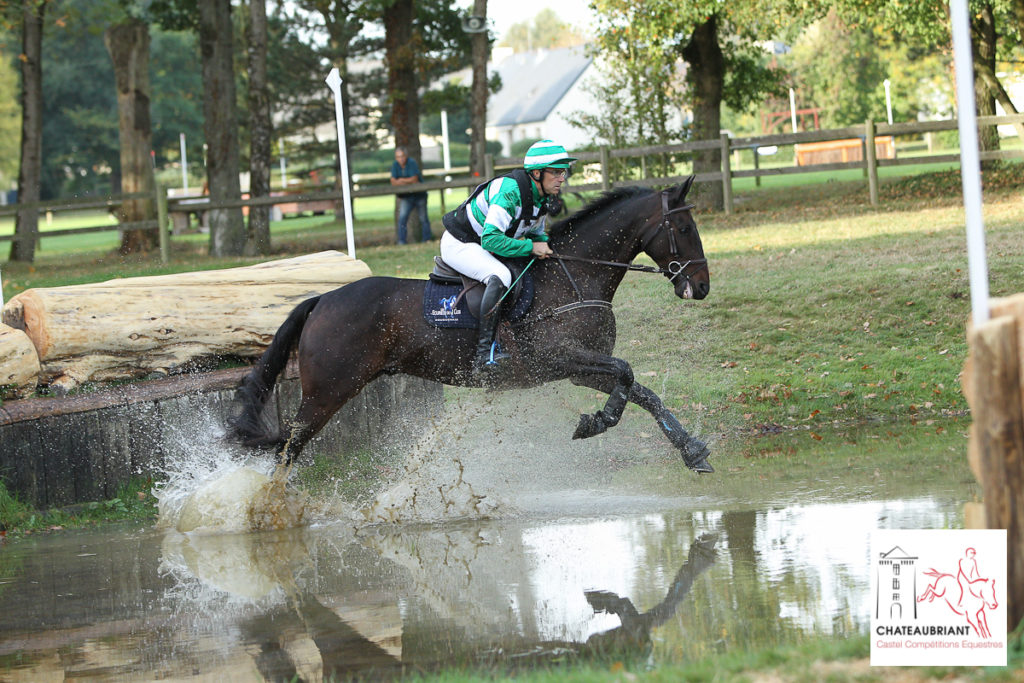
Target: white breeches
[(472, 260)]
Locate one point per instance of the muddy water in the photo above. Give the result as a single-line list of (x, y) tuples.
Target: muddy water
[(646, 578), (514, 549)]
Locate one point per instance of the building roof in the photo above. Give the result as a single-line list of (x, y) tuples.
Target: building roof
[(533, 83)]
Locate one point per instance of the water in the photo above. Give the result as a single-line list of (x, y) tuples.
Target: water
[(136, 604), (516, 550)]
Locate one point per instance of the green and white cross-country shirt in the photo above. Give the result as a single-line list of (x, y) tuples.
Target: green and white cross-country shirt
[(493, 211)]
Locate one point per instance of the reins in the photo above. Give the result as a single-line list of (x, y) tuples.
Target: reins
[(674, 269)]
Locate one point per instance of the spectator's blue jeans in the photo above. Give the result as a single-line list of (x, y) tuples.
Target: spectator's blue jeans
[(405, 207)]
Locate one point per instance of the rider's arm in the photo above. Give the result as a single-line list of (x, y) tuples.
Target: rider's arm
[(503, 206)]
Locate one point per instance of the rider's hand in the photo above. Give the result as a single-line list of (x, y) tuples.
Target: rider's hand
[(541, 250)]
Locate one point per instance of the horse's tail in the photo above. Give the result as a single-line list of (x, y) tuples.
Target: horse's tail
[(251, 396), (934, 573)]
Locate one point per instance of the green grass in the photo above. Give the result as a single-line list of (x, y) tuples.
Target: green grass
[(134, 502)]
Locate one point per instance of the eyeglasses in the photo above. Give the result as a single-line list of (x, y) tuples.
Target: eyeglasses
[(558, 172)]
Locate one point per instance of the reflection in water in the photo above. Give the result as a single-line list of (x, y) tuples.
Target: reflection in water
[(332, 600)]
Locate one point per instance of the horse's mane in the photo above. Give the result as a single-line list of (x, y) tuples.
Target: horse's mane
[(602, 203)]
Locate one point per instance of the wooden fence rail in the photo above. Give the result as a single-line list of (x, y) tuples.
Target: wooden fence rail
[(601, 159)]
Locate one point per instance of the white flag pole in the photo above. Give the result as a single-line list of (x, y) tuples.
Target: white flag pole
[(184, 164), (970, 165), (334, 82)]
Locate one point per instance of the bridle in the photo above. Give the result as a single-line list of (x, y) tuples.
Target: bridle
[(674, 269)]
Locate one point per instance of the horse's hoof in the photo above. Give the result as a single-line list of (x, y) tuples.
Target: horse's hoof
[(698, 462), (590, 425)]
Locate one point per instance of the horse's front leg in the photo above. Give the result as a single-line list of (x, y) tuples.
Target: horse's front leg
[(694, 451)]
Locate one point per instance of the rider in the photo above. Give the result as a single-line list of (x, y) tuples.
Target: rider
[(504, 217)]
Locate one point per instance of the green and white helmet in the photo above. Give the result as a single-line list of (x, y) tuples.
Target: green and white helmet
[(546, 154)]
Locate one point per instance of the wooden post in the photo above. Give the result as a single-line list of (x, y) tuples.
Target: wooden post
[(606, 183), (726, 173), (996, 447), (488, 167), (871, 163), (757, 167), (161, 223)]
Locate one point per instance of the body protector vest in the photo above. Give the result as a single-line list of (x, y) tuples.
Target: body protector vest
[(457, 221)]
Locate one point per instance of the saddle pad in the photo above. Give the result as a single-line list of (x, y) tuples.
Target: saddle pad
[(440, 308)]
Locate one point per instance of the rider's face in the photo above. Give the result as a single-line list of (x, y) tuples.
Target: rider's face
[(551, 180)]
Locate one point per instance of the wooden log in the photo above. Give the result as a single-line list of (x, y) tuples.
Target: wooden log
[(133, 327), (19, 363), (996, 407)]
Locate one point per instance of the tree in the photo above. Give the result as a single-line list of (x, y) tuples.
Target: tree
[(929, 21), (260, 127), (128, 45), (216, 42), (643, 39), (10, 124), (546, 31), (212, 20), (401, 45), (26, 224), (478, 96)]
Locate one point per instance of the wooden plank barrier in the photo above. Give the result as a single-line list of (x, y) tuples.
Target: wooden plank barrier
[(135, 327), (993, 382)]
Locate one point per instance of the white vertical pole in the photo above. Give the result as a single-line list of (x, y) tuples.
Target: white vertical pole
[(444, 140), (888, 101), (792, 108), (970, 164), (280, 156), (334, 82), (184, 164)]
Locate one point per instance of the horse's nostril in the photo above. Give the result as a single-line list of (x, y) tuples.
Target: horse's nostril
[(703, 288)]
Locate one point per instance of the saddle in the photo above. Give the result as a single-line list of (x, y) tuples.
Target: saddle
[(451, 299)]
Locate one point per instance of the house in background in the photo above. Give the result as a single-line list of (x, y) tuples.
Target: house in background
[(539, 89)]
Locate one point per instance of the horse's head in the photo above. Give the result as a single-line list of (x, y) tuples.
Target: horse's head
[(670, 238), (988, 594)]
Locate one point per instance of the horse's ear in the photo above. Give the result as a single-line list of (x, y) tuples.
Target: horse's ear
[(681, 191)]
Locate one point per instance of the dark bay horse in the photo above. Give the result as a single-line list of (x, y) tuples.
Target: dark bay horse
[(375, 326)]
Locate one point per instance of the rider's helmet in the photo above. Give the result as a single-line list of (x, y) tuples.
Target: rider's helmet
[(546, 154)]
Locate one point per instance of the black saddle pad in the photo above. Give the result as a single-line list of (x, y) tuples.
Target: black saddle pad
[(443, 308)]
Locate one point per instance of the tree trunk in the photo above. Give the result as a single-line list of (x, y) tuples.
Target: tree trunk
[(131, 327), (478, 106), (128, 45), (983, 52), (706, 77), (26, 225), (400, 57), (260, 128), (403, 96), (220, 125)]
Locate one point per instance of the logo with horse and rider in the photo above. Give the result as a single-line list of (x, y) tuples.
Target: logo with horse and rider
[(939, 597)]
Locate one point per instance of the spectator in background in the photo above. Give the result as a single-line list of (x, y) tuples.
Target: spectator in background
[(405, 171)]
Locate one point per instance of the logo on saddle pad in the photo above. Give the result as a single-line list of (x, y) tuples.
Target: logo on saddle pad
[(448, 308), (939, 597)]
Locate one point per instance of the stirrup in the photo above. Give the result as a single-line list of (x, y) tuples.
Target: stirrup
[(492, 361)]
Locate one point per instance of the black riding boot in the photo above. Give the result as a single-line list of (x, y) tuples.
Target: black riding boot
[(487, 354)]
